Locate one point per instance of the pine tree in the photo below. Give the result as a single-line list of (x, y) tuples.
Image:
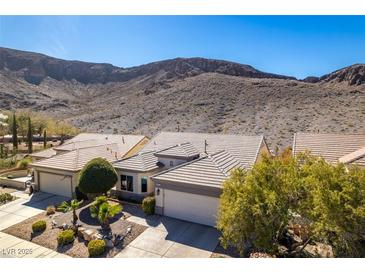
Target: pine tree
[(30, 136), (15, 134), (2, 153), (44, 139)]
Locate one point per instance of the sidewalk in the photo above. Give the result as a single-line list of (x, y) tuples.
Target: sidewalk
[(13, 247)]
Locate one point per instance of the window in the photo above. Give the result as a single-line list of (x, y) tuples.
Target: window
[(126, 183), (143, 184), (130, 183), (171, 163), (123, 185)]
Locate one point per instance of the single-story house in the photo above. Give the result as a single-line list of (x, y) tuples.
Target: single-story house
[(59, 173), (334, 148), (43, 154), (186, 171)]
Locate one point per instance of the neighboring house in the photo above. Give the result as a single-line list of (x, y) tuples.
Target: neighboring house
[(185, 171), (334, 148), (58, 174), (43, 154)]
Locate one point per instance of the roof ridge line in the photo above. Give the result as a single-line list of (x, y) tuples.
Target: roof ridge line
[(217, 165), (182, 165)]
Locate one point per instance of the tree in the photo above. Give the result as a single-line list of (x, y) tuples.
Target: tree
[(258, 207), (102, 210), (254, 206), (97, 176), (72, 206), (3, 126), (334, 204), (45, 139), (14, 133), (30, 136), (2, 152)]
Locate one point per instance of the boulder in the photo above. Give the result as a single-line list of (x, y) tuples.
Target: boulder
[(54, 224), (319, 250), (96, 236), (88, 234), (109, 243), (282, 250), (80, 232)]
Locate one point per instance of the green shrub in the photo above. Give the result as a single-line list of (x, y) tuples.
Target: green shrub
[(51, 210), (39, 226), (148, 205), (23, 163), (65, 237), (5, 197), (96, 247), (97, 176), (7, 163)]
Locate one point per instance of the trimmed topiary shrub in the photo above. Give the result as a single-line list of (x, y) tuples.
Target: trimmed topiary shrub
[(79, 195), (39, 226), (65, 237), (51, 210), (97, 176), (96, 247), (148, 205)]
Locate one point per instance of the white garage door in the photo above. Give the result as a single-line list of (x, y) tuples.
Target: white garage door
[(191, 207), (55, 184)]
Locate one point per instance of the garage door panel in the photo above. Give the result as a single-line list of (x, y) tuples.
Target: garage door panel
[(55, 183), (191, 207)]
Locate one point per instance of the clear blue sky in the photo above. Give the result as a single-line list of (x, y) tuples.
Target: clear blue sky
[(293, 45)]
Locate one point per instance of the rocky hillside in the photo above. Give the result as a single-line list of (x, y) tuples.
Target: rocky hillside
[(34, 68), (192, 94)]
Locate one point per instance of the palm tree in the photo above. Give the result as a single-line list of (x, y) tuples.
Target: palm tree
[(73, 205), (102, 210)]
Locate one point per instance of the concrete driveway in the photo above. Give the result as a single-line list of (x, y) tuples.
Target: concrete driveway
[(25, 207), (171, 238)]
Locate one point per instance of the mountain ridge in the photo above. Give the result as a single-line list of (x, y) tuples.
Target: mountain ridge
[(195, 94)]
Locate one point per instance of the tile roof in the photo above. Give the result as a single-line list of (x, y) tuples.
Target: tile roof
[(72, 145), (211, 170), (184, 150), (76, 159), (47, 153), (124, 142), (332, 147), (142, 162), (242, 147)]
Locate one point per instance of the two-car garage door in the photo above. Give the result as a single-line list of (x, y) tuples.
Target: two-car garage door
[(191, 207), (55, 183)]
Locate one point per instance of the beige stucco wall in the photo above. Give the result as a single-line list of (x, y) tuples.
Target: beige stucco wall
[(166, 162), (137, 181)]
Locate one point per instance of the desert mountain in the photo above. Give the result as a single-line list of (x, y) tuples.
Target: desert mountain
[(190, 94), (34, 68)]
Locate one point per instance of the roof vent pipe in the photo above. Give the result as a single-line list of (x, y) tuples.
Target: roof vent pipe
[(205, 146), (123, 139)]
